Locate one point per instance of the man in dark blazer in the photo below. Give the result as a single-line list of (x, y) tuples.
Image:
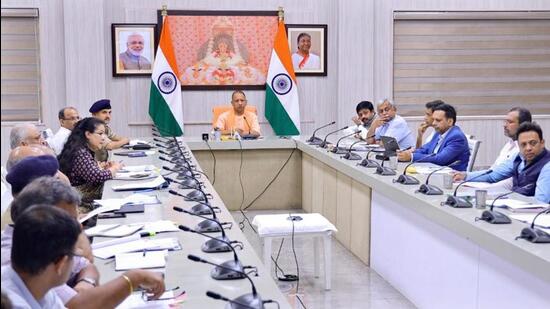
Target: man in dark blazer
[(448, 144)]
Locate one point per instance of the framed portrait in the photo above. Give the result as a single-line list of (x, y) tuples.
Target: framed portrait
[(308, 48), (133, 49), (222, 49)]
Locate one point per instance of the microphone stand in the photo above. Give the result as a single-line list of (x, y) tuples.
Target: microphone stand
[(232, 302), (407, 179), (384, 170), (428, 189), (352, 155), (187, 183), (460, 202), (336, 149), (208, 225), (202, 208), (324, 144), (496, 217), (368, 162), (215, 244), (533, 234), (313, 140)]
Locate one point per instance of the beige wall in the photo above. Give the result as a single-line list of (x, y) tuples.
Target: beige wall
[(75, 41)]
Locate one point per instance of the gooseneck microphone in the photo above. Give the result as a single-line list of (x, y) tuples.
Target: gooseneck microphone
[(337, 149), (252, 300), (234, 304), (368, 162), (217, 244), (384, 170), (496, 217), (407, 179), (187, 183), (324, 144), (533, 234), (202, 208), (460, 202), (428, 189), (208, 225), (247, 124), (350, 155), (313, 140)]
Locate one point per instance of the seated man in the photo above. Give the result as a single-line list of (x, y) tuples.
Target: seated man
[(390, 124), (25, 134), (44, 242), (31, 168), (449, 143), (514, 118), (428, 122), (530, 170), (21, 152), (102, 110), (238, 119), (363, 120), (68, 117)]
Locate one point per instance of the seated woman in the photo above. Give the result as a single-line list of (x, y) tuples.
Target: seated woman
[(78, 163)]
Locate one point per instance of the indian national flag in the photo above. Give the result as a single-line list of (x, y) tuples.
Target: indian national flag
[(282, 107), (165, 106)]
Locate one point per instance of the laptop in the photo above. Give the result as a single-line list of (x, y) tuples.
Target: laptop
[(390, 147)]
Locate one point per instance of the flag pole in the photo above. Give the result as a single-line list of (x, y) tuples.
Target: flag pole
[(281, 13)]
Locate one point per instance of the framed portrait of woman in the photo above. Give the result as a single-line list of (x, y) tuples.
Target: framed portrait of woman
[(222, 49), (308, 48), (133, 49)]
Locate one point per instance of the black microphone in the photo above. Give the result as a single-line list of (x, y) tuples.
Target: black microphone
[(215, 244), (496, 217), (252, 300), (187, 183), (202, 208), (247, 124), (182, 173), (208, 225), (460, 202), (384, 170), (533, 234), (352, 155), (428, 189), (324, 143), (313, 140), (336, 149), (368, 162), (410, 180), (219, 297)]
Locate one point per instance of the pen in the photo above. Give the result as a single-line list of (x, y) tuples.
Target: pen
[(145, 234), (144, 251)]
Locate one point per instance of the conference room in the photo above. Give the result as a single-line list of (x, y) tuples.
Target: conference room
[(297, 154)]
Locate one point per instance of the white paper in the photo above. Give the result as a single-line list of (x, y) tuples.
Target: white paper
[(542, 220), (479, 185), (152, 184), (137, 168), (136, 245), (113, 230), (136, 301), (109, 206), (108, 243), (140, 260), (518, 205), (160, 226)]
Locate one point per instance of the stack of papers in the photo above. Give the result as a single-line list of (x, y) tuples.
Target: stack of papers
[(121, 230), (112, 204), (137, 172), (140, 260), (517, 205), (543, 221), (109, 249), (152, 184)]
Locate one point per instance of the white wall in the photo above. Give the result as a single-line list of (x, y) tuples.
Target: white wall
[(75, 42)]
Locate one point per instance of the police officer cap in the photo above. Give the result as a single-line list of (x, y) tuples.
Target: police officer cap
[(99, 105), (22, 173)]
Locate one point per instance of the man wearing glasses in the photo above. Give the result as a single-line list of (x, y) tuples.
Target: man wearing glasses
[(68, 117), (390, 124), (530, 166)]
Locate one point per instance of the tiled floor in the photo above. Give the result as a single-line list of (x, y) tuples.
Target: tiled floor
[(354, 285)]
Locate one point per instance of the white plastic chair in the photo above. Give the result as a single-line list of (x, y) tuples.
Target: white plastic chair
[(473, 145)]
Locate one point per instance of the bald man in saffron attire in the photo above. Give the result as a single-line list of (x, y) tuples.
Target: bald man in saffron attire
[(238, 119)]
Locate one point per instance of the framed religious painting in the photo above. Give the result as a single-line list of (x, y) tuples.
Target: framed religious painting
[(133, 49), (221, 49), (308, 48)]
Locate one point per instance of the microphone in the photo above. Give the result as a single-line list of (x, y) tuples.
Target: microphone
[(460, 202), (352, 155), (247, 124), (410, 180), (324, 143), (252, 300), (428, 189), (336, 149), (208, 225), (533, 234), (384, 170), (495, 217), (238, 304), (202, 208), (182, 173), (215, 244), (313, 140), (368, 162), (187, 183)]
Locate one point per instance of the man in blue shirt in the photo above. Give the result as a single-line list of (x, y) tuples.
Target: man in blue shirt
[(448, 144), (530, 169), (390, 124)]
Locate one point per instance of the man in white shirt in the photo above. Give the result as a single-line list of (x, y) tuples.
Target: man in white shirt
[(515, 117), (68, 117), (303, 59), (364, 119)]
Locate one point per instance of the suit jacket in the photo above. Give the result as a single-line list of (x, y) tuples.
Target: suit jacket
[(453, 147)]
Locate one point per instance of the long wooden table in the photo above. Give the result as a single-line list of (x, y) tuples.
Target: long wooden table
[(436, 256), (191, 276)]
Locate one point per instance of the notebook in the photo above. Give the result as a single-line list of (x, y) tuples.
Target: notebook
[(140, 260)]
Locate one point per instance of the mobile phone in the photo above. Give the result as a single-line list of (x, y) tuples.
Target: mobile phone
[(111, 215), (140, 175)]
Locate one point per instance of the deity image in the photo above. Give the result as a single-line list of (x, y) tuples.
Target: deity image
[(222, 60)]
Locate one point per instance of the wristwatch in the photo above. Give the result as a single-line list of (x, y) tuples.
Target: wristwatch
[(88, 280)]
